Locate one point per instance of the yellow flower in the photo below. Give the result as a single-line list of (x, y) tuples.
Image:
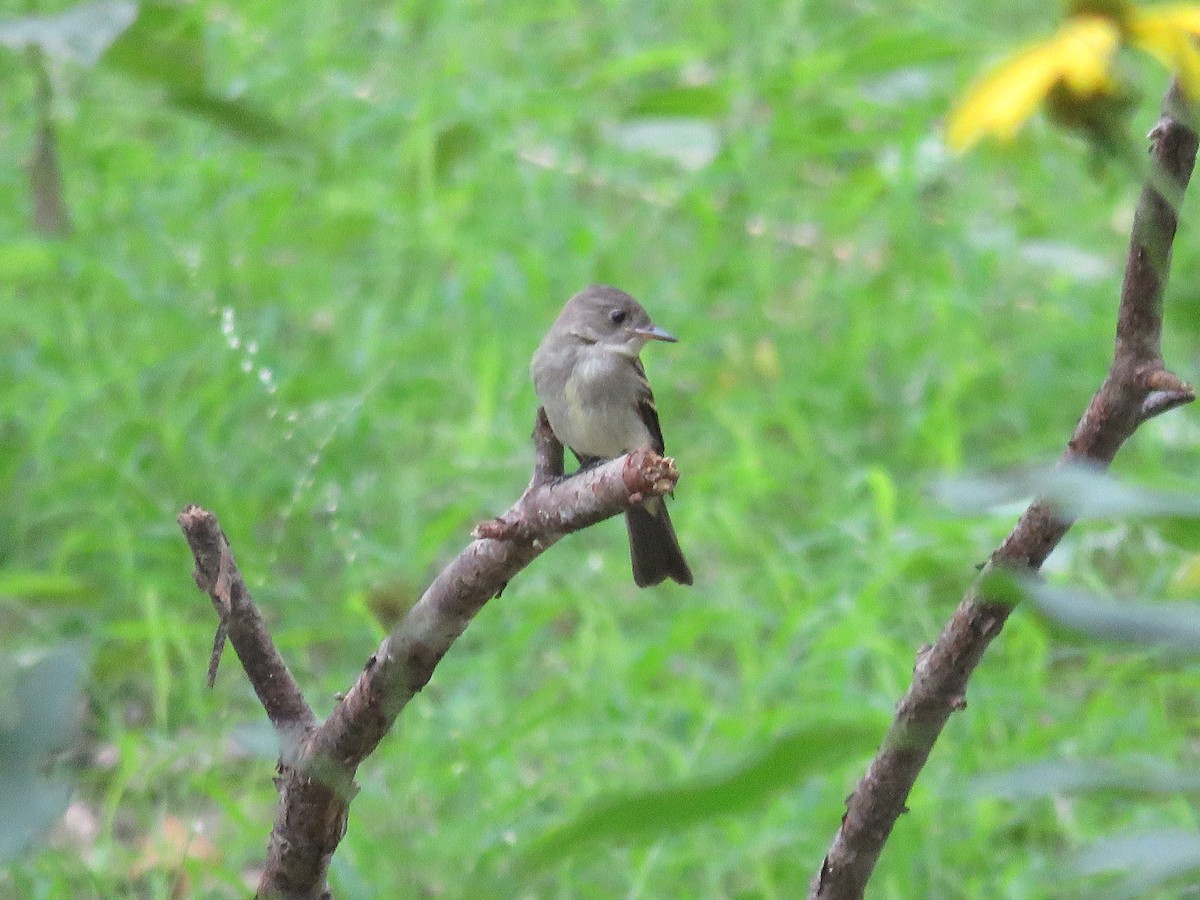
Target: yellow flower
[(1073, 69), (1168, 33)]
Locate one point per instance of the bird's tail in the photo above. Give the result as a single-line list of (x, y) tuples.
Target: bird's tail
[(653, 547)]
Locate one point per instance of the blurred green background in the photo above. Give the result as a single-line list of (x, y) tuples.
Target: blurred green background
[(323, 336)]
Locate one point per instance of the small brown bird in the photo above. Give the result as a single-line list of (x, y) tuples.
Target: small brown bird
[(591, 383)]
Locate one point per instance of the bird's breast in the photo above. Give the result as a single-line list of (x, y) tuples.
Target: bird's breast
[(600, 415)]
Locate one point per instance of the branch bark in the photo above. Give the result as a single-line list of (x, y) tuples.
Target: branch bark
[(1137, 388), (217, 574), (318, 763), (50, 214)]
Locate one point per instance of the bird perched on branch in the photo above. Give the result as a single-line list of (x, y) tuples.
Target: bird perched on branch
[(590, 380)]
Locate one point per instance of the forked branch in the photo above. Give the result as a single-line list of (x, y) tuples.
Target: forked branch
[(1137, 388), (318, 762)]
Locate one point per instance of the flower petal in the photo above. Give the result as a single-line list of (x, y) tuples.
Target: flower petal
[(1168, 34), (1079, 55)]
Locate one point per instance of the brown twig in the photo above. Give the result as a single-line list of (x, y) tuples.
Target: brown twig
[(547, 453), (1137, 388), (214, 659), (50, 214), (316, 782), (217, 574)]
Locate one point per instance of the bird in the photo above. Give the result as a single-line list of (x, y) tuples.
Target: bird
[(589, 378)]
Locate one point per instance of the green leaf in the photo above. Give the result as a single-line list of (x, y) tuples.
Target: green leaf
[(32, 585), (1079, 490), (237, 117), (37, 718), (701, 101), (21, 260), (455, 143), (898, 49), (165, 47), (1175, 626), (1150, 858), (1077, 776), (29, 804), (811, 750), (81, 34), (626, 67)]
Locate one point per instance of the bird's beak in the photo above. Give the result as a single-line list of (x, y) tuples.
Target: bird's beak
[(654, 333)]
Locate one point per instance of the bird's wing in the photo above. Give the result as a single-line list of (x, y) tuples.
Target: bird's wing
[(647, 409)]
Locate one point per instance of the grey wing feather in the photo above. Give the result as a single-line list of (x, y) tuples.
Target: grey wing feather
[(648, 411)]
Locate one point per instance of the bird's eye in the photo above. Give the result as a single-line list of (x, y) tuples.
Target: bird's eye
[(618, 316)]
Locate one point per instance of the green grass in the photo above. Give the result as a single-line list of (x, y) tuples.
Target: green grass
[(859, 314)]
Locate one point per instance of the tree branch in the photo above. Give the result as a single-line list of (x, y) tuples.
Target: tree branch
[(1137, 387), (316, 781), (217, 574), (50, 214), (547, 453)]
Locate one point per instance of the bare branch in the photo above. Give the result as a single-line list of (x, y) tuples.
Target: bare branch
[(405, 660), (548, 453), (217, 574), (1160, 402), (316, 770), (1137, 387), (50, 214), (214, 659)]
